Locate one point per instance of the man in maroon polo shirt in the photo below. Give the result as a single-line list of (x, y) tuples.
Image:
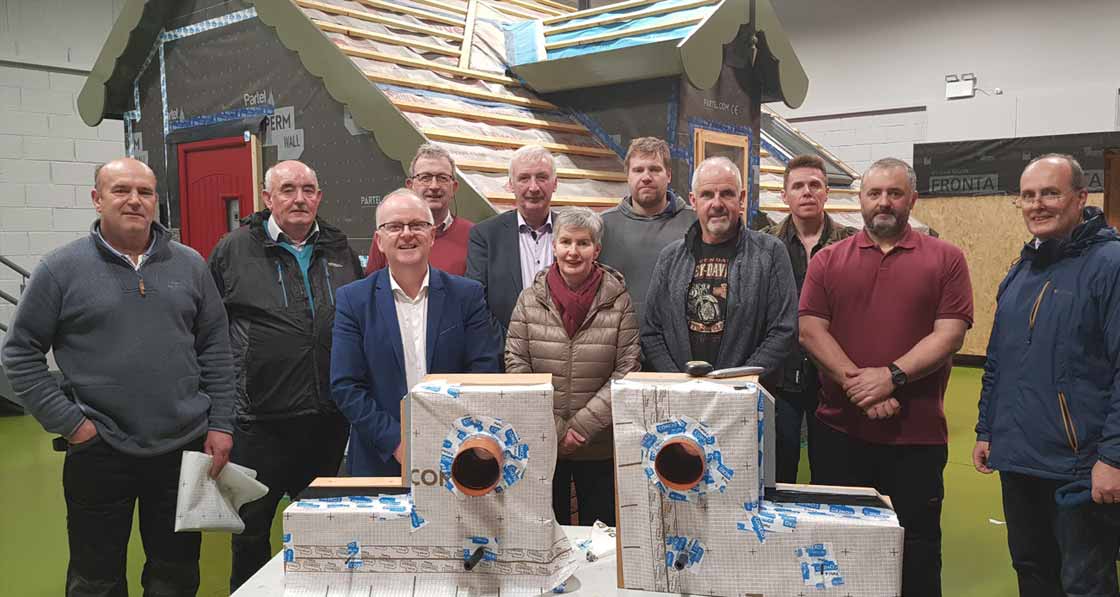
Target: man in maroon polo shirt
[(881, 313)]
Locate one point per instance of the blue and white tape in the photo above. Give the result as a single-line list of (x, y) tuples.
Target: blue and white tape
[(818, 567), (514, 451), (716, 472), (489, 547), (693, 551)]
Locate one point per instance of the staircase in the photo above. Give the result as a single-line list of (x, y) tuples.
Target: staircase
[(8, 404)]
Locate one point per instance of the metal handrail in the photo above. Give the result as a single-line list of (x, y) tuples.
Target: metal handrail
[(11, 299), (17, 268)]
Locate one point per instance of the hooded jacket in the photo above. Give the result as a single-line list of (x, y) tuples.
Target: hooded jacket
[(604, 348), (1050, 397), (631, 241), (281, 347)]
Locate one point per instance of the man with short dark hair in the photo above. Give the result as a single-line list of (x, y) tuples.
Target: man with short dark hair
[(278, 275), (432, 176), (142, 342), (1049, 415), (724, 294), (806, 230), (882, 313), (643, 222), (397, 325)]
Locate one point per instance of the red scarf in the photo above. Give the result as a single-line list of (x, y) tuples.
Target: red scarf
[(573, 304)]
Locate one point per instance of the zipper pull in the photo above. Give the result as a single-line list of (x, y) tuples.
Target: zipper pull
[(142, 287)]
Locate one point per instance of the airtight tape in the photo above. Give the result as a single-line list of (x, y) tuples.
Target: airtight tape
[(674, 441)]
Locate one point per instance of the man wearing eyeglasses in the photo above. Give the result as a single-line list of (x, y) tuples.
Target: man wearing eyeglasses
[(1049, 403), (397, 325), (432, 176), (278, 275)]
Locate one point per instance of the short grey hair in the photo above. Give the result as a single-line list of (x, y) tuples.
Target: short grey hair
[(1077, 174), (530, 153), (579, 218), (271, 172), (891, 164), (431, 151), (722, 162), (410, 195)]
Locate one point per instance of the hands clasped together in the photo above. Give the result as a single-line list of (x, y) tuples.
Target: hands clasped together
[(870, 388)]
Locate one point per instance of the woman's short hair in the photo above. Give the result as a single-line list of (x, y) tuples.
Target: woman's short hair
[(579, 218)]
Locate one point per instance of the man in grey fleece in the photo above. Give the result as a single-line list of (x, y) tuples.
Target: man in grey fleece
[(650, 217), (140, 335), (724, 294)]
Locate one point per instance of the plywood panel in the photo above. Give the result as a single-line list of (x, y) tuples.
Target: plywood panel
[(991, 233)]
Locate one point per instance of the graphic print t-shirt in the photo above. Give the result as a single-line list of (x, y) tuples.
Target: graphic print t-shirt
[(707, 299)]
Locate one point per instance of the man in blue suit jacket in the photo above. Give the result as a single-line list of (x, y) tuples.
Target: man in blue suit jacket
[(397, 325)]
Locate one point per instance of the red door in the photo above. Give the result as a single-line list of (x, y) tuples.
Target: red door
[(215, 189)]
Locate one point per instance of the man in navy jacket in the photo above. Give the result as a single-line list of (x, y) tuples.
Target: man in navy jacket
[(397, 325), (1050, 402)]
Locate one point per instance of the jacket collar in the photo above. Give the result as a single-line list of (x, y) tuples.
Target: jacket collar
[(158, 244), (1092, 230), (328, 235), (612, 287), (787, 232), (675, 205)]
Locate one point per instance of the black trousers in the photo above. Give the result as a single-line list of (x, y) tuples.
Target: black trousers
[(594, 491), (102, 487), (790, 408), (913, 478), (1058, 552), (287, 456)]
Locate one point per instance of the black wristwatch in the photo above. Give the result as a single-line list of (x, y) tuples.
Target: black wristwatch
[(898, 376)]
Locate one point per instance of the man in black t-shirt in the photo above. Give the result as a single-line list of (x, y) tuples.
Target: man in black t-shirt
[(723, 294)]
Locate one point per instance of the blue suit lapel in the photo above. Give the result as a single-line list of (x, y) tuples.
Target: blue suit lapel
[(437, 293), (387, 316)]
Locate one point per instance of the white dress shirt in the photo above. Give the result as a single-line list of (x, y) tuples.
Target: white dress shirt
[(536, 248), (412, 317)]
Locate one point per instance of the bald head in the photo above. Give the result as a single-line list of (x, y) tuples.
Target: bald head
[(122, 165), (402, 197)]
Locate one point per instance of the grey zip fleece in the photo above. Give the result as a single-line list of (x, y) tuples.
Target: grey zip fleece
[(144, 354)]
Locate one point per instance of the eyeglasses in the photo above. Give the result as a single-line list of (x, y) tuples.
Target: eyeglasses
[(418, 227), (1048, 197), (428, 177)]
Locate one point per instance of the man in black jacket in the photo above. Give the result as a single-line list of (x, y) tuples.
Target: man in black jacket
[(277, 276)]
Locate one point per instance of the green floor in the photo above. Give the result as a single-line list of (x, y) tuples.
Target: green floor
[(33, 549)]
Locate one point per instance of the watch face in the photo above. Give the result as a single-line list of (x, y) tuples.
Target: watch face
[(898, 377)]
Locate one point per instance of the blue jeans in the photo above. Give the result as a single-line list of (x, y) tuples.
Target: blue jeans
[(1058, 551)]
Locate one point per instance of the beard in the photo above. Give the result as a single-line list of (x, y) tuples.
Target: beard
[(885, 224), (648, 200)]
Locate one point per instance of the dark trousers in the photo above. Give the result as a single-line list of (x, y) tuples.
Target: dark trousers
[(913, 478), (287, 456), (790, 408), (1055, 551), (102, 487), (594, 491)]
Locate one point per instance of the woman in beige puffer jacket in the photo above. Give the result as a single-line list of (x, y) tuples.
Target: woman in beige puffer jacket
[(604, 346)]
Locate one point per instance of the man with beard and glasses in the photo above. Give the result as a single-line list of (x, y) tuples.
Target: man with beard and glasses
[(882, 313), (724, 294), (507, 250), (432, 176), (643, 222)]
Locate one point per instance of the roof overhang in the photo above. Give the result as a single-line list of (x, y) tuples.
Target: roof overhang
[(699, 56)]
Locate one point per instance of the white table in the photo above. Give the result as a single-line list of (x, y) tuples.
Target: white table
[(598, 578)]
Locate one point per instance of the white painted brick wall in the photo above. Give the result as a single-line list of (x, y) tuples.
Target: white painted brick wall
[(47, 159), (860, 140)]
